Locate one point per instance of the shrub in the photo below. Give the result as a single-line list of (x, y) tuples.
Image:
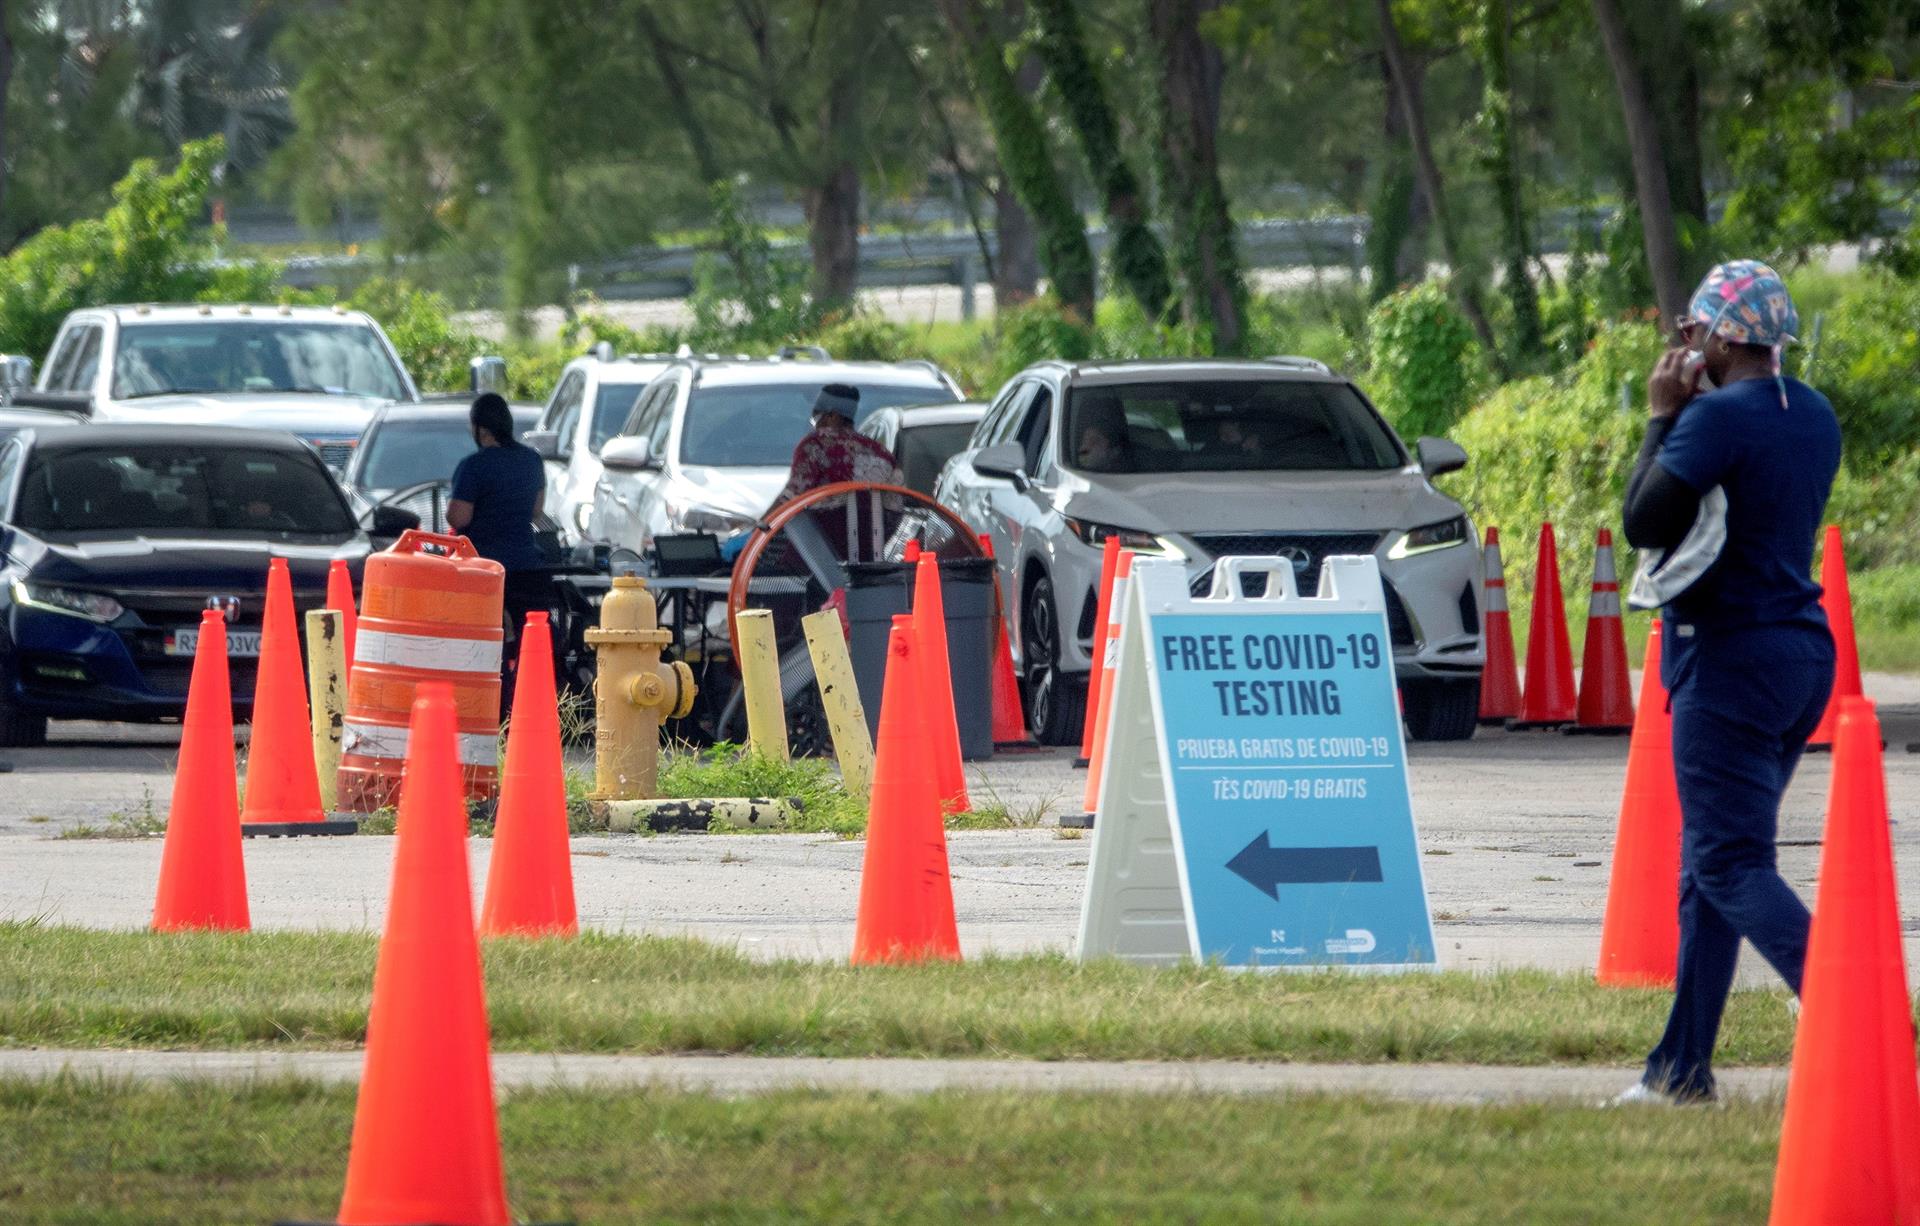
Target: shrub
[(1423, 361), (867, 336), (1035, 332), (1559, 448), (1869, 350), (149, 246)]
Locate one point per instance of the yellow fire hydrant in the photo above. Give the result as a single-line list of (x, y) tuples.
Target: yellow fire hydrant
[(633, 693)]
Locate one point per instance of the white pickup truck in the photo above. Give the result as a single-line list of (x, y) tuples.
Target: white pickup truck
[(315, 372)]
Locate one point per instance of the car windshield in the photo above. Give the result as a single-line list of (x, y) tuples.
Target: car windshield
[(610, 408), (241, 356), (240, 491), (759, 424), (924, 450), (1238, 425)]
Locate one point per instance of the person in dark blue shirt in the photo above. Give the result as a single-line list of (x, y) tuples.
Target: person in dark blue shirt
[(498, 489), (1747, 655)]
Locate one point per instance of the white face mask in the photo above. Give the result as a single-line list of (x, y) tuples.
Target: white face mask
[(1697, 364)]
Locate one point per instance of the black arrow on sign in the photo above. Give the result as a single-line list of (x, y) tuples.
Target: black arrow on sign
[(1266, 867)]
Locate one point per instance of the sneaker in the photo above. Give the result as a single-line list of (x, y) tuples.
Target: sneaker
[(1640, 1094)]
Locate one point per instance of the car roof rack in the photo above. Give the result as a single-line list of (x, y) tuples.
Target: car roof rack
[(1295, 362), (815, 353)]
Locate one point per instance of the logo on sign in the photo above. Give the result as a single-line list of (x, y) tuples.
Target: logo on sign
[(1358, 941), (227, 606)]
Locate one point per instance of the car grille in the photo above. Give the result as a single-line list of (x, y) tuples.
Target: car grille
[(1318, 547), (165, 611), (1399, 625), (334, 452)]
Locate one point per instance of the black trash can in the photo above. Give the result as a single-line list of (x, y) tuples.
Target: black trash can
[(876, 592), (966, 592)]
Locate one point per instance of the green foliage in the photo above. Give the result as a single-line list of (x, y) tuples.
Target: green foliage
[(1869, 351), (1036, 331), (1559, 448), (1422, 359), (748, 297), (419, 323), (865, 335), (150, 246)]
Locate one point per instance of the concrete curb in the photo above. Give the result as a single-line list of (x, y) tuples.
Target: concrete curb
[(737, 1076)]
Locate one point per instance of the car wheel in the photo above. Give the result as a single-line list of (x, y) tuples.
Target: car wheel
[(1056, 701), (1441, 710)]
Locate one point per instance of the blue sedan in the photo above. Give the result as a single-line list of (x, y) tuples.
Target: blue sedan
[(114, 539)]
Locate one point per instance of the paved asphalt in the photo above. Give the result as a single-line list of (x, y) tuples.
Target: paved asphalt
[(1517, 830)]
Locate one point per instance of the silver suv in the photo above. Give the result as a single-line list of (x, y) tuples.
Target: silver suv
[(590, 403), (1198, 460)]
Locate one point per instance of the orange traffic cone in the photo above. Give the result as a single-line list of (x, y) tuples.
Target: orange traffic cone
[(1548, 700), (1109, 563), (1009, 720), (1837, 600), (906, 892), (1606, 687), (283, 787), (1640, 935), (936, 685), (1850, 1142), (1110, 657), (203, 880), (1500, 680), (340, 596), (530, 879), (426, 1145)]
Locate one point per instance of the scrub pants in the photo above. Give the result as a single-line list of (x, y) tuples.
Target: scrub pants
[(1742, 713)]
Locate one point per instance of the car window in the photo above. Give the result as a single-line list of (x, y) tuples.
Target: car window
[(924, 450), (9, 465), (1036, 425), (254, 355), (409, 451), (60, 365), (612, 402), (86, 362), (566, 412), (759, 424), (1226, 426), (240, 491), (1002, 429), (640, 420), (660, 421)]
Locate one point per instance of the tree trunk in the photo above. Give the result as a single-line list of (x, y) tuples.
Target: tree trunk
[(1022, 144), (1495, 40), (1651, 186), (1657, 31), (1138, 259), (1016, 270), (1466, 285), (1397, 237), (833, 234), (1190, 70), (6, 79)]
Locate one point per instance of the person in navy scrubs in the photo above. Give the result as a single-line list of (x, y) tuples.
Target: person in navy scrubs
[(1748, 658)]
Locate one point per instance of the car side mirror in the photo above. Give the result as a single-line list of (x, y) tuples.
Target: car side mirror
[(1440, 455), (545, 443), (1007, 461), (391, 521), (629, 453), (487, 374)]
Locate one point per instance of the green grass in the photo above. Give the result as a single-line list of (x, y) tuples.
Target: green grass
[(603, 993), (729, 770), (192, 1152)]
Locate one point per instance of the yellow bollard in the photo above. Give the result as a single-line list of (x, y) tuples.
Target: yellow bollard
[(760, 678), (327, 697), (839, 694)]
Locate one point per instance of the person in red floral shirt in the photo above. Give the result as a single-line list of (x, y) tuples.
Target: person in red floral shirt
[(833, 451)]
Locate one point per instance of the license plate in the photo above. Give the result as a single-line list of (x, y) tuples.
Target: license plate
[(239, 642)]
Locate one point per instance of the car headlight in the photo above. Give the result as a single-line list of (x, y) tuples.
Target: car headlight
[(1427, 538), (1143, 543), (699, 517), (91, 605)]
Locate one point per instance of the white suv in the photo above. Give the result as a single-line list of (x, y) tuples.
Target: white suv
[(1203, 459), (590, 403), (709, 445)]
